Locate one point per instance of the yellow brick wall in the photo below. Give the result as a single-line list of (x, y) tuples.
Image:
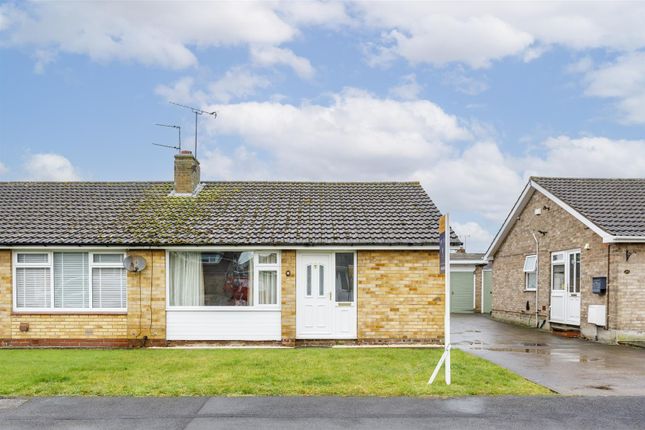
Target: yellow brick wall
[(288, 293), (93, 325), (400, 295), (147, 297), (70, 326), (6, 299)]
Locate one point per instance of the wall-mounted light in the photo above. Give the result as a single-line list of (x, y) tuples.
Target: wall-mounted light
[(288, 273)]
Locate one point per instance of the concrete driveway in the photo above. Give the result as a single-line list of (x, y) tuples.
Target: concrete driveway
[(567, 366)]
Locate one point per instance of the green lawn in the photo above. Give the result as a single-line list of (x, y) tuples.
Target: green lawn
[(241, 372)]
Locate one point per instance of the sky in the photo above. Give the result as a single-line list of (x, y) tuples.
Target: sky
[(469, 98)]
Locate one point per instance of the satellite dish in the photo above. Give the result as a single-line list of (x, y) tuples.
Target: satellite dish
[(134, 264)]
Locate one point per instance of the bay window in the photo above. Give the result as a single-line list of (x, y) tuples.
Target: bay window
[(223, 279), (72, 281)]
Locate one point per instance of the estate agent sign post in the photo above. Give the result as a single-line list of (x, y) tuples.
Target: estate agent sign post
[(444, 267)]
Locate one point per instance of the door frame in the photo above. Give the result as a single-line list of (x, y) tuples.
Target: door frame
[(333, 304), (567, 279)]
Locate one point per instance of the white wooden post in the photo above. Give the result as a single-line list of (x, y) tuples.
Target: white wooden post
[(445, 357)]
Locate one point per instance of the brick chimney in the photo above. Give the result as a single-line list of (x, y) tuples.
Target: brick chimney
[(186, 173)]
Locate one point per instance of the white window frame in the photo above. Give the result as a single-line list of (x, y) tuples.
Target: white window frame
[(527, 272), (254, 306), (266, 267), (564, 261), (355, 278), (559, 258), (50, 266)]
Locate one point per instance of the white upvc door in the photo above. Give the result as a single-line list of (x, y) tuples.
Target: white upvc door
[(326, 295), (314, 305), (565, 287)]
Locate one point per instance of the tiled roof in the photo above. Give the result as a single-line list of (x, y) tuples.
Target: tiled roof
[(617, 206), (223, 213), (462, 256)]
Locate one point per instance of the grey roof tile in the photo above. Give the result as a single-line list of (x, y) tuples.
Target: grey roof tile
[(615, 205), (223, 213)]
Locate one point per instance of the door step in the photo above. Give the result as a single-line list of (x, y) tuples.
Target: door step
[(565, 330)]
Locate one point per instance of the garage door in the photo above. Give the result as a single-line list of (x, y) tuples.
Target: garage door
[(461, 286)]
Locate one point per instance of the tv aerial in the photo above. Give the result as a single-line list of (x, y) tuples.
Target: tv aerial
[(197, 113), (178, 147)]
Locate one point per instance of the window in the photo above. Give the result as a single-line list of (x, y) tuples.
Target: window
[(223, 279), (268, 270), (70, 281), (344, 276), (574, 272), (530, 276), (557, 272)]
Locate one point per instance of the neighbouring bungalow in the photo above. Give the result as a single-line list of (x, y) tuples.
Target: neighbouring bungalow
[(571, 257), (219, 261), (470, 283)]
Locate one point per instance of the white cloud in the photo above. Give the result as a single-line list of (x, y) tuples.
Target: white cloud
[(474, 236), (478, 33), (237, 83), (479, 179), (588, 157), (622, 80), (182, 91), (160, 33), (241, 164), (3, 169), (460, 81), (408, 89), (50, 167), (268, 56), (356, 136)]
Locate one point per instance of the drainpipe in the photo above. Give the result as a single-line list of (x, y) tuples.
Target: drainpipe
[(537, 279)]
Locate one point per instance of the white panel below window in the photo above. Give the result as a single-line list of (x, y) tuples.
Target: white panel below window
[(223, 325)]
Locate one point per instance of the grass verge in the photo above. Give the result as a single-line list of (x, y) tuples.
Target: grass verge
[(261, 372)]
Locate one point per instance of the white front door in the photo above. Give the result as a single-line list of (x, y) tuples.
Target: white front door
[(326, 295), (314, 301), (565, 287)]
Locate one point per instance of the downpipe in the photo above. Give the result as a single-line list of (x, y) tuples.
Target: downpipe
[(537, 280)]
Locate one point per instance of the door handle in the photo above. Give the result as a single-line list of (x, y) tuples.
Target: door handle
[(330, 296)]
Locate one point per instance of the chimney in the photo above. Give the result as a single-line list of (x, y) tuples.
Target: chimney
[(186, 173)]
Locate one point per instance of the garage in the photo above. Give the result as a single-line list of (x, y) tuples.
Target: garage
[(465, 281)]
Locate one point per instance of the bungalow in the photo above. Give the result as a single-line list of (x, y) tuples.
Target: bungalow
[(571, 256), (218, 261)]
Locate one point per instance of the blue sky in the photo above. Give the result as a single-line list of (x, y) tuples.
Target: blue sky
[(468, 98)]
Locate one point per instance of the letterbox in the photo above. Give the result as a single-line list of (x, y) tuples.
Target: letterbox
[(599, 285)]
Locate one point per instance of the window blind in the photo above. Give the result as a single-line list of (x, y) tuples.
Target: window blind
[(71, 283), (108, 287), (33, 287)]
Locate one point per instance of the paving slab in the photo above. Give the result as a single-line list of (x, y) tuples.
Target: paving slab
[(565, 365)]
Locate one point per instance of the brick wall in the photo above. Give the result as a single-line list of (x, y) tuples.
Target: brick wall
[(78, 329), (288, 296), (400, 296), (147, 305), (69, 326), (6, 298), (563, 232), (478, 288), (629, 306)]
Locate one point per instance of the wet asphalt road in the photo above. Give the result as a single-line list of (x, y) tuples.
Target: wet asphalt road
[(567, 366), (324, 413)]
